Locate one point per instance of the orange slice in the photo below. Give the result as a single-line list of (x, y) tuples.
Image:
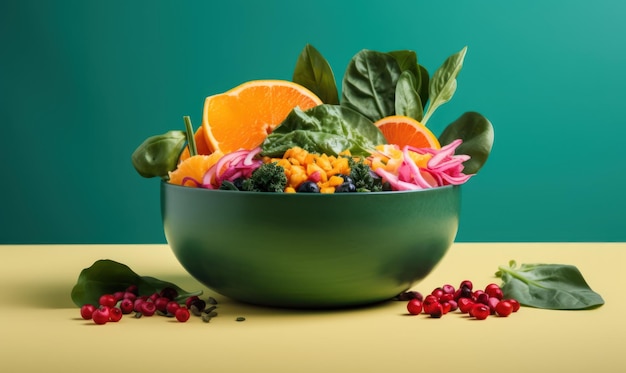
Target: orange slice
[(193, 168), (242, 117), (201, 145), (401, 131)]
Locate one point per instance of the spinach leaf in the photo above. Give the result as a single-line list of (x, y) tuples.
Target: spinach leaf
[(325, 128), (107, 277), (159, 154), (408, 101), (369, 84), (314, 72), (443, 83), (423, 85), (549, 286), (476, 131)]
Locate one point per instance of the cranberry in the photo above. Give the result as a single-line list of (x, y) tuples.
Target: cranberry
[(182, 314), (129, 295), (126, 306), (437, 292), (453, 305), (171, 307), (515, 304), (86, 311), (483, 298), (480, 311), (133, 289), (190, 299), (118, 295), (494, 291), (436, 310), (504, 308), (137, 304), (169, 293), (446, 307), (430, 303), (107, 300), (115, 314), (492, 303), (161, 303), (148, 308), (446, 297), (414, 306), (463, 292), (466, 283), (101, 315), (465, 305), (154, 296), (448, 289)]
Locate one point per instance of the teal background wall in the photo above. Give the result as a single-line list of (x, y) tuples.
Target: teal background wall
[(82, 83)]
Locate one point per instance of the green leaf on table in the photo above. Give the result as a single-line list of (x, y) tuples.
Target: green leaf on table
[(408, 102), (442, 86), (548, 286), (476, 131), (325, 128), (313, 71), (106, 276), (369, 84)]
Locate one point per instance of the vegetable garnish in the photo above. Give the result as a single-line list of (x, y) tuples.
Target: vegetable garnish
[(548, 286)]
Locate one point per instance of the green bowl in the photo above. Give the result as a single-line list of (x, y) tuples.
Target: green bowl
[(309, 250)]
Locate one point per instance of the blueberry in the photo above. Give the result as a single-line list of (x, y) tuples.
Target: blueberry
[(308, 187), (345, 188)]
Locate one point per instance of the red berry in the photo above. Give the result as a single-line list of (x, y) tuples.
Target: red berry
[(482, 298), (171, 307), (115, 314), (494, 291), (148, 308), (453, 305), (101, 315), (182, 314), (137, 304), (118, 295), (446, 307), (438, 292), (465, 305), (436, 310), (129, 295), (515, 304), (133, 289), (86, 311), (126, 306), (414, 306), (153, 296), (448, 289), (169, 293), (480, 311), (446, 297), (466, 283), (492, 303), (161, 303), (190, 299), (504, 308), (107, 300)]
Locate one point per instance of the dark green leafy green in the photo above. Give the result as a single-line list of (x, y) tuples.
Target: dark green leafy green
[(443, 83), (314, 72), (159, 154), (408, 102), (424, 83), (325, 128), (107, 277), (369, 84), (548, 286), (477, 134)]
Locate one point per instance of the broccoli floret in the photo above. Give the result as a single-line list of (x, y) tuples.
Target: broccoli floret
[(364, 179), (269, 177)]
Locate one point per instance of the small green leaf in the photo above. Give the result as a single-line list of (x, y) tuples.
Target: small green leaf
[(369, 84), (476, 131), (314, 72), (325, 128), (423, 85), (548, 286), (159, 154), (408, 102), (107, 277), (443, 83), (407, 60)]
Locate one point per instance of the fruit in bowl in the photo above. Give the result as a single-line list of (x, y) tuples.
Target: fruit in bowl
[(288, 196)]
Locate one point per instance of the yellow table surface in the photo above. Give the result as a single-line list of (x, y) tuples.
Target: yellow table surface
[(41, 330)]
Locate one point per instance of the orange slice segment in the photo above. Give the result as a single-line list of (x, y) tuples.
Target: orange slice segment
[(201, 146), (242, 117), (401, 131), (193, 168)]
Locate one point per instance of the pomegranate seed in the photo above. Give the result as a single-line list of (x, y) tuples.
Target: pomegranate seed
[(182, 314), (446, 307), (107, 300), (492, 303), (446, 297), (466, 283), (465, 305), (436, 310), (483, 298), (115, 314), (480, 311), (129, 295), (126, 306), (148, 308), (504, 308), (101, 315), (118, 295), (153, 297), (137, 304), (161, 303), (453, 305), (448, 289), (86, 311), (414, 306), (438, 292)]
